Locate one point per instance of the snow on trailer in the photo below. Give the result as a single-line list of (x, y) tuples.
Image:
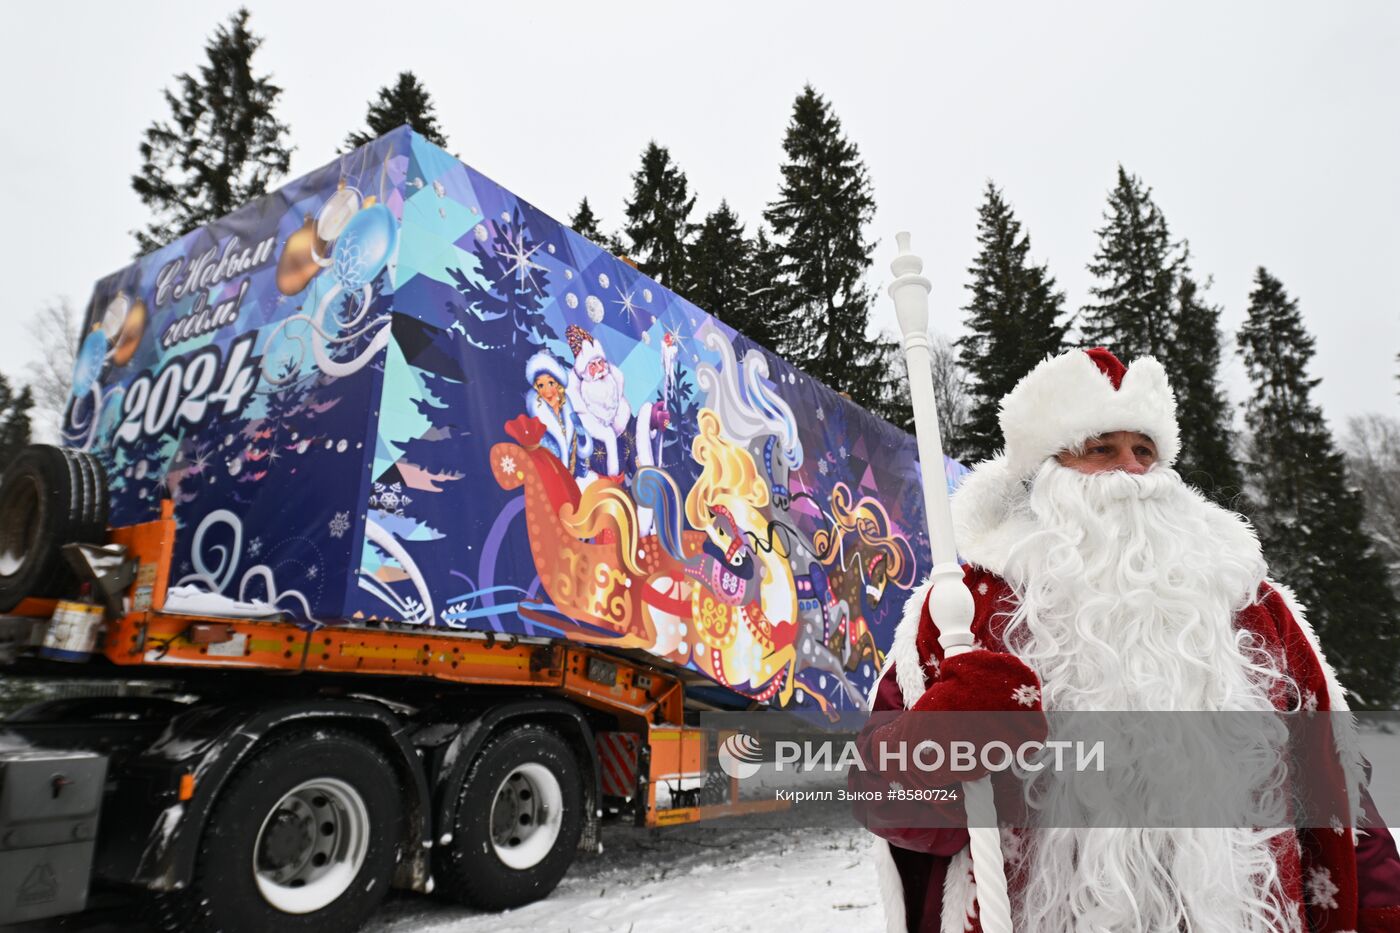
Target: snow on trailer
[(394, 395)]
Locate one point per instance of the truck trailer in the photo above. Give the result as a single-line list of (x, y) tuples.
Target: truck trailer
[(431, 527)]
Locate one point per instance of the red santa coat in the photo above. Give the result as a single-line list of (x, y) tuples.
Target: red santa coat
[(1344, 882)]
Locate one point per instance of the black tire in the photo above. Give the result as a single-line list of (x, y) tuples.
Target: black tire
[(93, 507), (48, 497), (468, 867), (225, 896)]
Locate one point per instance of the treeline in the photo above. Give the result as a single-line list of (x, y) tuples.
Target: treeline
[(795, 280)]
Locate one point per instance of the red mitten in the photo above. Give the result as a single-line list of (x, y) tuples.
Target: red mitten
[(982, 681), (994, 683)]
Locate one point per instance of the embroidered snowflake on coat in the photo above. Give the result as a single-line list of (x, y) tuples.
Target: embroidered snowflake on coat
[(1310, 701), (1013, 846), (1320, 889), (1026, 694), (982, 588), (1336, 824)]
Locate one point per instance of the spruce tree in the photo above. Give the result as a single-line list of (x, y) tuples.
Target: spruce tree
[(824, 204), (769, 297), (1207, 458), (1136, 265), (718, 281), (894, 403), (14, 421), (406, 101), (658, 217), (1013, 320), (1308, 517), (222, 145), (586, 224)]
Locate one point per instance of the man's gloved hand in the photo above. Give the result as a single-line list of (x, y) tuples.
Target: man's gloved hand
[(982, 681), (995, 683)]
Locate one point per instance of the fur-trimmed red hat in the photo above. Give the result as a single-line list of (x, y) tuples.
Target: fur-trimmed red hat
[(1082, 394)]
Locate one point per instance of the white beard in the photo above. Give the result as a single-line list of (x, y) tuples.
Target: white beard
[(1128, 586), (601, 397)]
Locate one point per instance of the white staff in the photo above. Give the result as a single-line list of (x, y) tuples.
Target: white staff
[(949, 600)]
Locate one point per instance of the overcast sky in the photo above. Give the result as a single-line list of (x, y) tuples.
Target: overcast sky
[(1268, 131)]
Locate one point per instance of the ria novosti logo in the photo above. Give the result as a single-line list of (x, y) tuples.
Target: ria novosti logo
[(740, 755)]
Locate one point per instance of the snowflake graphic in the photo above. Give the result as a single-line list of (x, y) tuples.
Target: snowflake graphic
[(1320, 889), (1026, 694), (842, 451), (339, 524), (896, 787), (311, 572), (414, 612), (521, 265), (821, 415), (507, 464), (254, 547), (822, 468), (389, 498)]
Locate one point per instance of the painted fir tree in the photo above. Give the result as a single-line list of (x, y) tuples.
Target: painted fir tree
[(1014, 321), (222, 145), (823, 207), (505, 299), (658, 218), (1207, 460), (1136, 266), (1308, 517), (587, 225), (405, 101)]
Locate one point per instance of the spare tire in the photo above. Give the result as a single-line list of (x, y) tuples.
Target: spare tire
[(49, 496)]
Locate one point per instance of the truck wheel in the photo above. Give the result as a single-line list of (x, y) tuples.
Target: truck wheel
[(518, 821), (303, 838), (49, 496)]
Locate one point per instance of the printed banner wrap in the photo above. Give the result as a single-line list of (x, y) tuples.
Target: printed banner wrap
[(394, 394)]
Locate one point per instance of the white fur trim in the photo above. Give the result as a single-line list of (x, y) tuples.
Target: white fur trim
[(545, 362), (959, 894), (904, 649), (1348, 741), (891, 887), (1067, 398), (982, 505)]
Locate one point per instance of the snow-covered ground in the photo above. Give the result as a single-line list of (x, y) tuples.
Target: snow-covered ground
[(1380, 743), (806, 869)]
